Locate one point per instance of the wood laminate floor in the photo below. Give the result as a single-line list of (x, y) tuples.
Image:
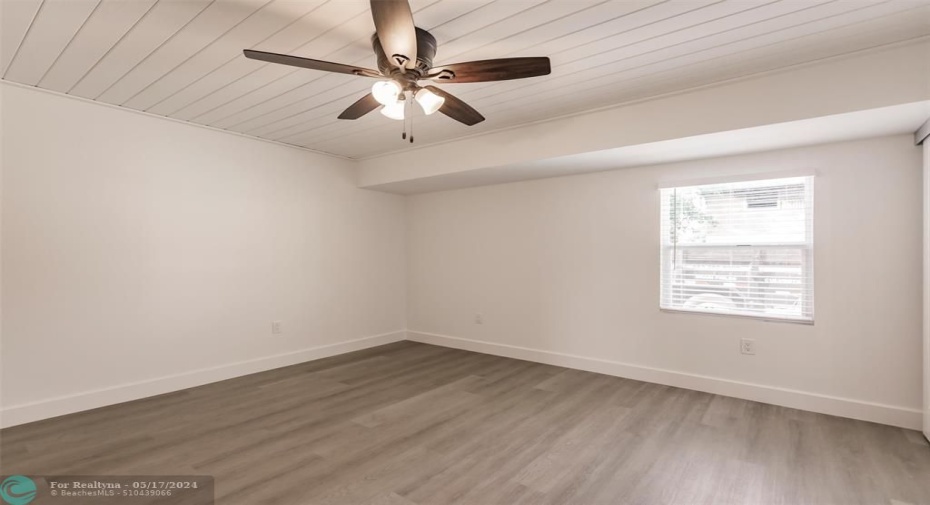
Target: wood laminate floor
[(410, 423)]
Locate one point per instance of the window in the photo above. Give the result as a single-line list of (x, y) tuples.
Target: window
[(739, 248)]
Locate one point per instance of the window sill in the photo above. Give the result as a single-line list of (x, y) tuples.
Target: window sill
[(805, 322)]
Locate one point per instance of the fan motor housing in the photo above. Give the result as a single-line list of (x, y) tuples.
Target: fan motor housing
[(426, 51)]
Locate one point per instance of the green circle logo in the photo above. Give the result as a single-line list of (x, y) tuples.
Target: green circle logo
[(18, 490)]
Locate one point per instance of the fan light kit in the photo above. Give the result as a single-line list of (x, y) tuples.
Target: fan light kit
[(386, 92), (431, 102), (390, 95), (404, 55), (394, 110)]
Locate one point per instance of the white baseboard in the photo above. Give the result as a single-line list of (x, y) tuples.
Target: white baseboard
[(53, 407), (844, 407)]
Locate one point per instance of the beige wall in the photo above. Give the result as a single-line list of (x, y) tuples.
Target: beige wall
[(570, 267), (141, 255)]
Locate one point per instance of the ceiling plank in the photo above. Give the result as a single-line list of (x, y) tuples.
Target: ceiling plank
[(258, 27), (508, 25), (215, 21), (104, 29), (52, 30), (347, 30), (290, 40), (557, 34), (240, 108), (152, 31), (16, 18)]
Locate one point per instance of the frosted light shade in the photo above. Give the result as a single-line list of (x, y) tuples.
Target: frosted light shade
[(431, 102), (385, 92), (394, 110)]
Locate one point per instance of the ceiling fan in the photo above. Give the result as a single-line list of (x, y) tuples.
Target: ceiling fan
[(405, 57)]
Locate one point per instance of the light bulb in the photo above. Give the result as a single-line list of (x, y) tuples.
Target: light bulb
[(394, 110), (431, 102), (385, 92)]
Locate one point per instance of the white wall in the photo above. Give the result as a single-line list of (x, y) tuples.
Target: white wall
[(566, 270), (141, 255)]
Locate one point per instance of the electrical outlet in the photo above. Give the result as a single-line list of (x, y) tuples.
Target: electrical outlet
[(479, 319), (276, 328), (747, 346)]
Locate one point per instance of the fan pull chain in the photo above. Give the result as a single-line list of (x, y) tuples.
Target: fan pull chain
[(408, 104), (403, 135), (407, 116)]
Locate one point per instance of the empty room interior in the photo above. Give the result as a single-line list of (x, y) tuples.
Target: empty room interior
[(475, 252)]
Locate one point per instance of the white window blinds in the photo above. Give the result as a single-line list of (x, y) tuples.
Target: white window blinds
[(740, 248)]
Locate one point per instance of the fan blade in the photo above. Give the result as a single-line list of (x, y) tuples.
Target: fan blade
[(394, 24), (457, 109), (491, 70), (358, 109), (296, 61)]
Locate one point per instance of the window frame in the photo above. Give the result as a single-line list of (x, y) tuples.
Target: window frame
[(668, 250)]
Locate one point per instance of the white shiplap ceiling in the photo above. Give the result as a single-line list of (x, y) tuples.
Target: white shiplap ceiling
[(183, 58)]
